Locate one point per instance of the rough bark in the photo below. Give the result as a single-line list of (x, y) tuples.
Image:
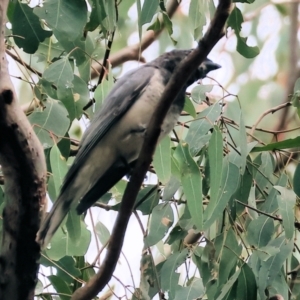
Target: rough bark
[(23, 166)]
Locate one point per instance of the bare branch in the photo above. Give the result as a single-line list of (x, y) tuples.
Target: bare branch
[(23, 166), (293, 72), (269, 111), (180, 76)]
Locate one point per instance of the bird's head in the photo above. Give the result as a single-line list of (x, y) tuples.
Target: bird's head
[(206, 67)]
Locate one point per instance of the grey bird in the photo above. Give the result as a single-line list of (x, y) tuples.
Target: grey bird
[(111, 144)]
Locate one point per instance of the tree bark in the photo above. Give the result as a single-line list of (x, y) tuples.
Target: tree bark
[(23, 166)]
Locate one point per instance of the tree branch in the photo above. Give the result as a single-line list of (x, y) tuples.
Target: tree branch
[(23, 166), (180, 76), (293, 71)]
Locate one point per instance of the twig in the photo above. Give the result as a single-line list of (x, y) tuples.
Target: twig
[(269, 111), (296, 224)]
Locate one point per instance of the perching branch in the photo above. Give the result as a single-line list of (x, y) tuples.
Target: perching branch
[(180, 76), (23, 166)]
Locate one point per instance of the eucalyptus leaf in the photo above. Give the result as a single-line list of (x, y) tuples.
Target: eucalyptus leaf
[(45, 123), (191, 183), (286, 203), (26, 28), (162, 160), (200, 127), (162, 219)]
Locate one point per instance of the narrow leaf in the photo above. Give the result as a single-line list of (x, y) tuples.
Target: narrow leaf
[(162, 160), (215, 154), (162, 219), (169, 277), (191, 183), (148, 10), (58, 166), (286, 203), (201, 126), (229, 184), (286, 144)]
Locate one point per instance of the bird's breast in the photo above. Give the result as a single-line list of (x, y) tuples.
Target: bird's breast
[(131, 128)]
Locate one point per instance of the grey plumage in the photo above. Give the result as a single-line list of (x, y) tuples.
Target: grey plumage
[(111, 144)]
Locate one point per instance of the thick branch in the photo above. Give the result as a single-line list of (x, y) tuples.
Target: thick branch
[(181, 75), (23, 165), (293, 71)]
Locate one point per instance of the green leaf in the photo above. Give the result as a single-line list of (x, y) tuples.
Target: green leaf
[(65, 16), (191, 183), (64, 146), (263, 175), (149, 275), (243, 144), (244, 49), (286, 203), (226, 287), (58, 166), (148, 10), (97, 16), (73, 225), (102, 233), (260, 231), (169, 277), (271, 267), (229, 184), (74, 47), (65, 267), (189, 107), (26, 28), (62, 245), (147, 199), (296, 96), (74, 97), (201, 126), (198, 93), (235, 21), (197, 18), (286, 144), (168, 26), (264, 253), (139, 11), (195, 290), (162, 219), (246, 287), (102, 91), (296, 180), (61, 287), (60, 73), (215, 154), (111, 15), (227, 252), (171, 188), (45, 123), (162, 160), (243, 191)]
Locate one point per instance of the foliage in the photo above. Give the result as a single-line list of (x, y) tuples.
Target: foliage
[(221, 220)]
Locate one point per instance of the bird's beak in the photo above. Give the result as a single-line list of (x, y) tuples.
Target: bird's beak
[(210, 66)]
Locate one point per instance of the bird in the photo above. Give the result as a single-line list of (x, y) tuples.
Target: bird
[(111, 144)]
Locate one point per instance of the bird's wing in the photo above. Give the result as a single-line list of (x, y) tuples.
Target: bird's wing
[(124, 93)]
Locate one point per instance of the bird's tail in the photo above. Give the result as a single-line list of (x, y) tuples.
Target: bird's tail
[(53, 220)]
